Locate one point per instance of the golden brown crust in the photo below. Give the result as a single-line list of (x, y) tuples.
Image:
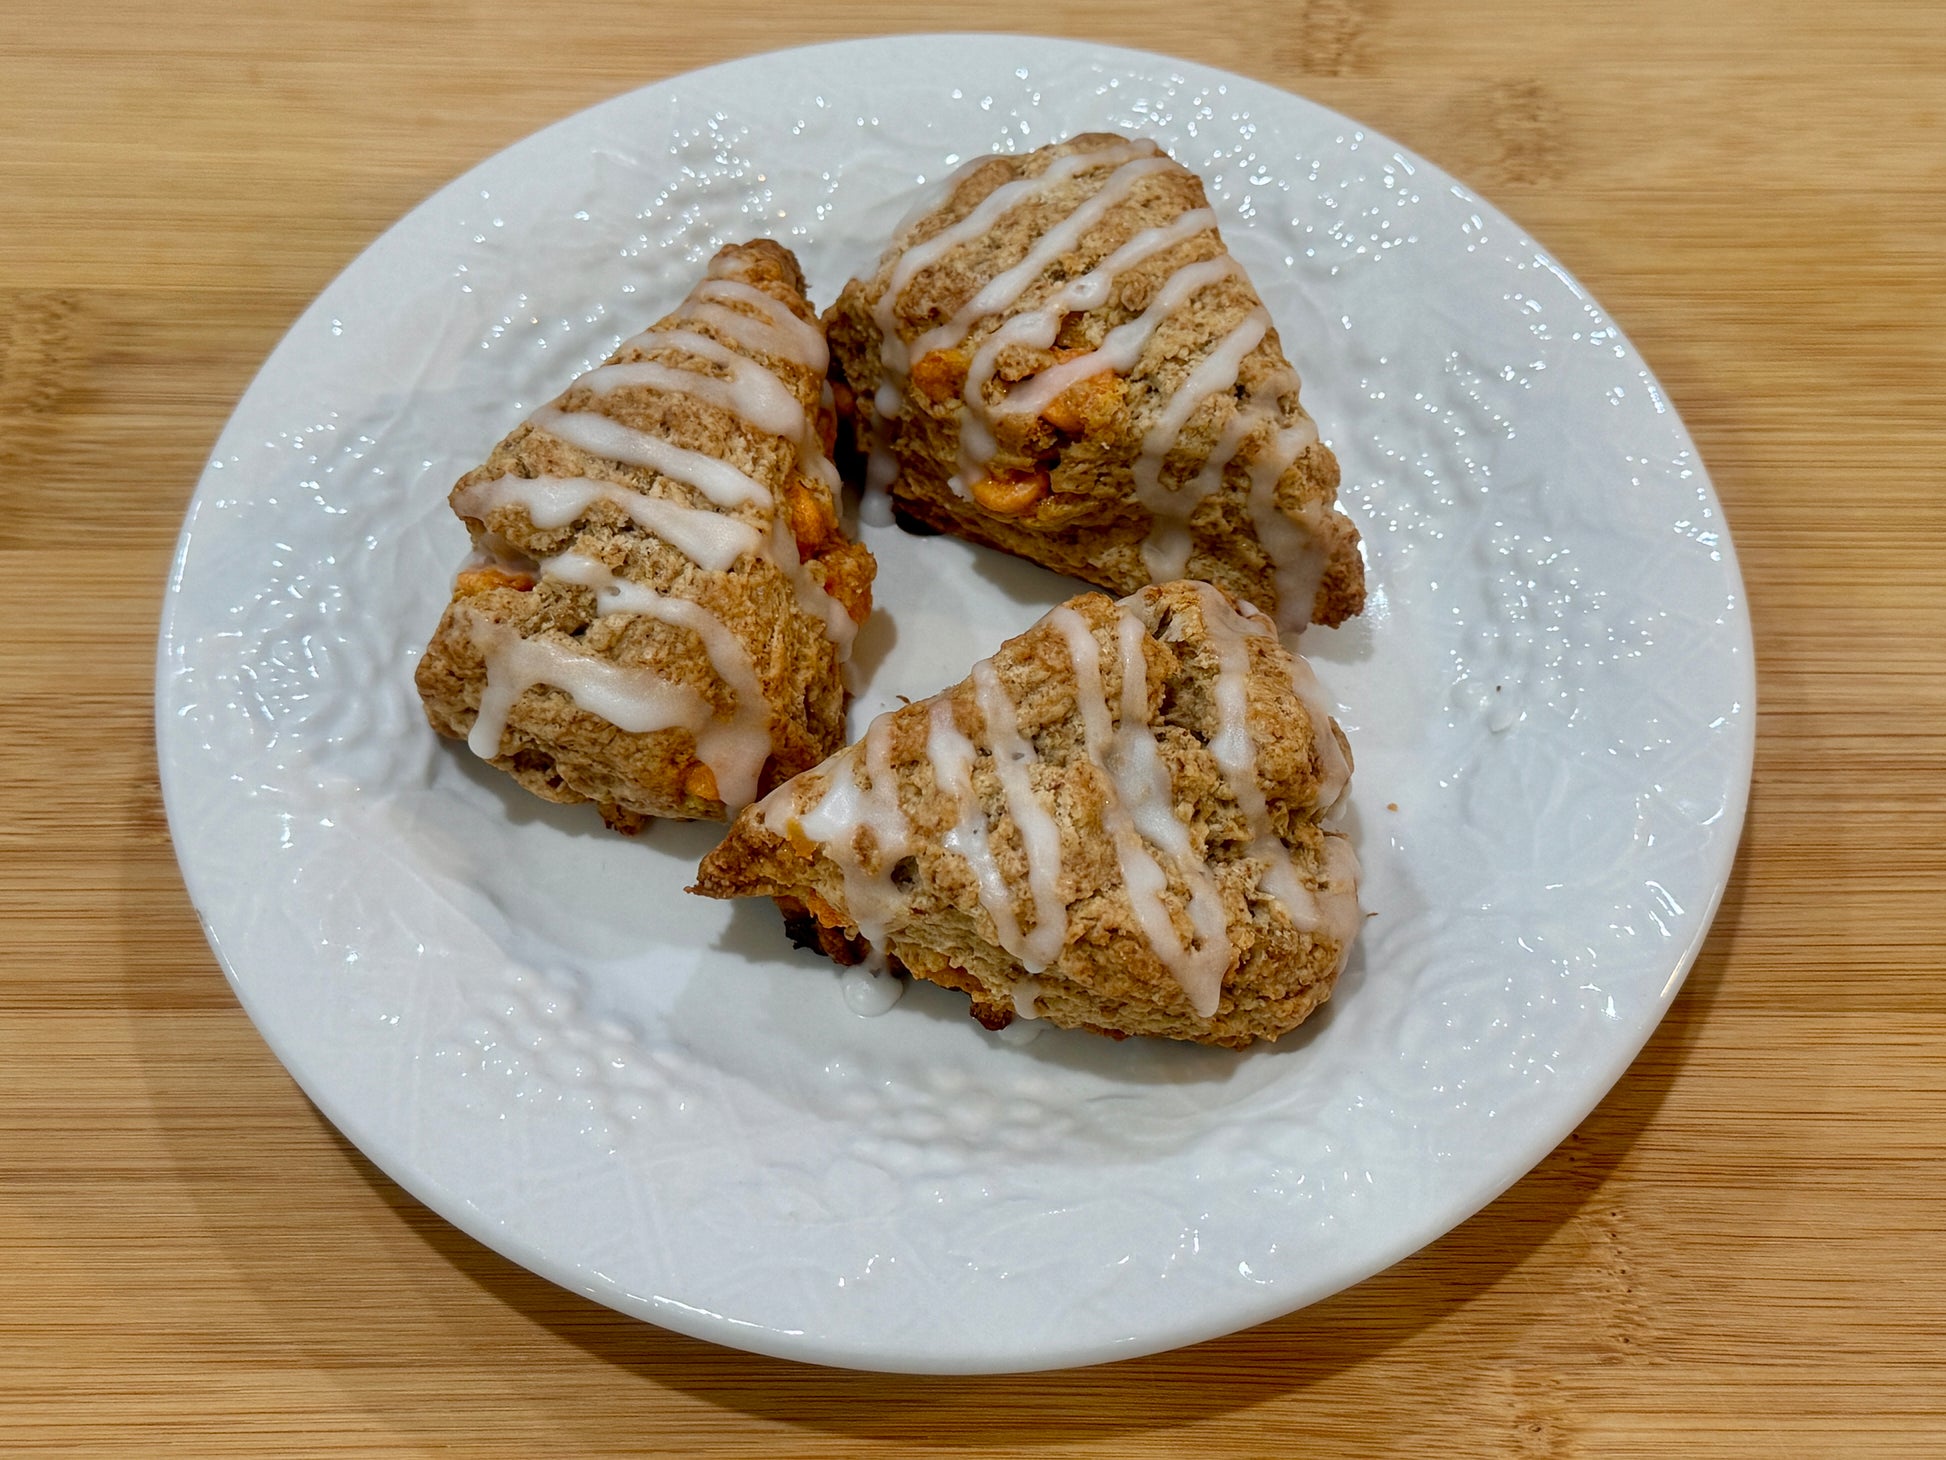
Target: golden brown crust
[(554, 746), (1090, 521), (1108, 975)]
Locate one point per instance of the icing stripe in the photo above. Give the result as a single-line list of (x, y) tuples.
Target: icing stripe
[(774, 330), (893, 351), (635, 700), (1038, 327), (953, 756), (734, 747), (1003, 289), (1039, 837), (722, 483), (1296, 542), (1145, 798), (710, 539), (845, 810), (1122, 347), (751, 393), (1151, 843)]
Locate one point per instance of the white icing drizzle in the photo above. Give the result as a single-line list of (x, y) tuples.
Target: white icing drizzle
[(637, 700), (1320, 911), (722, 483), (1295, 548), (1092, 289), (1297, 554), (710, 539), (1021, 1031), (774, 330), (846, 808), (1138, 759), (871, 988), (881, 470), (734, 748), (1167, 549), (894, 355), (999, 292), (1216, 372), (1236, 757), (881, 465), (952, 756), (749, 392), (1038, 327), (1142, 798), (1138, 815), (1122, 347), (494, 553), (813, 463), (936, 195), (1040, 838), (1334, 769), (839, 626)]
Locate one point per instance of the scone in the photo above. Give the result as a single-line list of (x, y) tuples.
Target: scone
[(660, 596), (1116, 823), (1060, 359)]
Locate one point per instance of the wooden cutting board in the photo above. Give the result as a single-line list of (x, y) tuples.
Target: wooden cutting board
[(1739, 1253)]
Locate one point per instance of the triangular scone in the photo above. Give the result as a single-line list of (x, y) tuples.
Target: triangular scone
[(1059, 358), (1115, 823), (660, 595)]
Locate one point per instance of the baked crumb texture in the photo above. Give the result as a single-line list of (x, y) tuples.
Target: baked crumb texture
[(660, 596), (1059, 358), (1116, 823)]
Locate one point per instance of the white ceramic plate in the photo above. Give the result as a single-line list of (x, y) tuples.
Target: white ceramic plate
[(650, 1098)]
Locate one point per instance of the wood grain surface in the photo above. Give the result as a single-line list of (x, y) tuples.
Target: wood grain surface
[(1739, 1253)]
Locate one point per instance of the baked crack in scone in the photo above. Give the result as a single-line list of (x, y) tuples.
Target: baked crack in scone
[(1116, 823), (660, 595), (1059, 358)]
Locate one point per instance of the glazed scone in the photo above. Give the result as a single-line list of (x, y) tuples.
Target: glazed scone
[(1116, 823), (660, 595), (1060, 359)]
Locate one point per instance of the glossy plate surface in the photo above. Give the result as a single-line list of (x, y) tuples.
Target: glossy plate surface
[(649, 1097)]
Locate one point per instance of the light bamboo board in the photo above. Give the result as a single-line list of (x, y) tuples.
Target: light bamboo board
[(1738, 1254)]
